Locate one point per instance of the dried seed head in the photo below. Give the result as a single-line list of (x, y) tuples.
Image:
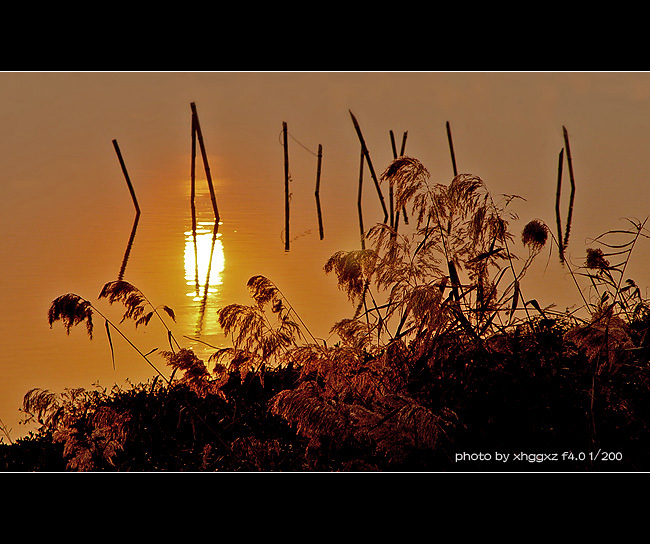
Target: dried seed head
[(535, 234), (596, 259)]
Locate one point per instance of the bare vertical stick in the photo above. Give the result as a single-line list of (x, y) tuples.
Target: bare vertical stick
[(392, 143), (193, 204), (573, 187), (193, 176), (401, 154), (317, 192), (206, 166), (557, 205), (126, 176), (363, 235), (390, 186), (286, 186), (372, 170), (451, 149)]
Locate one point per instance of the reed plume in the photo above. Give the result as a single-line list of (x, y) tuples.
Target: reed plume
[(138, 307), (71, 310), (134, 301)]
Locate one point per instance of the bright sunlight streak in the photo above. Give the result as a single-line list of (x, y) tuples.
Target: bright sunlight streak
[(204, 261)]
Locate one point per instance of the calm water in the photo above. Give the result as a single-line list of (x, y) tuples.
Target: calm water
[(66, 215), (78, 248)]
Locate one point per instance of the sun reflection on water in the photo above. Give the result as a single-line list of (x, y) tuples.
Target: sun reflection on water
[(204, 266)]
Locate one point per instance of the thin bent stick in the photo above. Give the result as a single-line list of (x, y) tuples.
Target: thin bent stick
[(206, 166), (372, 170), (129, 244)]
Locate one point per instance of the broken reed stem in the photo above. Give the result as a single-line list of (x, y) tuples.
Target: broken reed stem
[(557, 205), (451, 149), (317, 192), (573, 187), (204, 155), (126, 176), (359, 209), (372, 170), (286, 186)]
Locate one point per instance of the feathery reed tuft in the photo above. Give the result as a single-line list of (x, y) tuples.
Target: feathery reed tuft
[(535, 234), (71, 309), (134, 301), (405, 176), (596, 259)]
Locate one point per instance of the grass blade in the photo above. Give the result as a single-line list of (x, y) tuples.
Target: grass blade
[(110, 342)]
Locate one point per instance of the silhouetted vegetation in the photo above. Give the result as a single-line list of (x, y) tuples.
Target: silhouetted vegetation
[(444, 364)]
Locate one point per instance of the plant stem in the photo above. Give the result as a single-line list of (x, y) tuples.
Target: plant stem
[(109, 322)]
